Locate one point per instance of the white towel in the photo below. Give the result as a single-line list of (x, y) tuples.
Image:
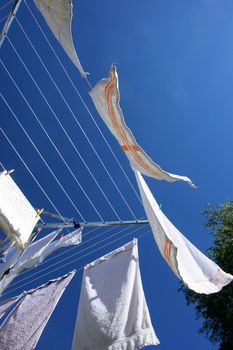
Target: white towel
[(58, 16), (196, 270), (113, 313), (22, 329), (37, 252), (17, 216)]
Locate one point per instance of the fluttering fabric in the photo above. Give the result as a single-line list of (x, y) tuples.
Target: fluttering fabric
[(112, 312), (11, 256), (58, 16), (22, 328), (17, 216), (106, 98), (6, 304), (195, 269), (73, 238), (37, 252)]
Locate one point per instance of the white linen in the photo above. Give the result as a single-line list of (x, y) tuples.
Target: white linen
[(196, 270), (72, 238), (112, 312), (22, 328), (58, 16), (17, 216), (106, 98), (37, 252)]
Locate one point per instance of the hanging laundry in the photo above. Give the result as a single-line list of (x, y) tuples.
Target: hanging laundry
[(6, 304), (11, 256), (37, 252), (106, 98), (58, 16), (112, 312), (24, 325), (17, 216), (72, 238), (195, 269)]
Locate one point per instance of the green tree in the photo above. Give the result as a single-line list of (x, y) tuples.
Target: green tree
[(217, 309)]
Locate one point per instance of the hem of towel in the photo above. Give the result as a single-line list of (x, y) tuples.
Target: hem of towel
[(143, 338), (203, 287), (108, 256)]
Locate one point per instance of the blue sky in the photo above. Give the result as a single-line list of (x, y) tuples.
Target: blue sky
[(174, 60)]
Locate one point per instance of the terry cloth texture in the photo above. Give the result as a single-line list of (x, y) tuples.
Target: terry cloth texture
[(22, 329), (113, 313)]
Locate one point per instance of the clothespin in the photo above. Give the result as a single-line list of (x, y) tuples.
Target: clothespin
[(62, 236), (9, 172), (76, 224), (39, 212)]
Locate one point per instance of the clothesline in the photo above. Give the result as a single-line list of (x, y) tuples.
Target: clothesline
[(92, 145), (5, 5), (68, 250), (74, 260), (73, 115), (32, 175), (82, 100)]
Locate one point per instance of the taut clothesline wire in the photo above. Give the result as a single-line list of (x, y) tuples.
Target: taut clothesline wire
[(66, 133), (80, 245), (3, 19), (67, 105), (42, 158), (2, 166), (85, 105), (74, 260), (71, 140), (32, 175), (7, 4)]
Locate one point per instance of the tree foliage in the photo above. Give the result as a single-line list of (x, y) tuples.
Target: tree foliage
[(217, 309)]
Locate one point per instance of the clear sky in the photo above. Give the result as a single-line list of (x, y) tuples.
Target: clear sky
[(174, 60)]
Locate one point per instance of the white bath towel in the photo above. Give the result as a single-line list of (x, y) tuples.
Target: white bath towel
[(113, 313), (196, 270), (22, 328)]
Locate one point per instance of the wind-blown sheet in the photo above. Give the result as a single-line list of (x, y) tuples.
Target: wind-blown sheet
[(37, 252), (195, 269), (17, 216), (106, 97), (58, 16), (22, 329), (113, 313)]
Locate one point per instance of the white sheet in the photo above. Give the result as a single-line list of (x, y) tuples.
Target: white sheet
[(196, 270)]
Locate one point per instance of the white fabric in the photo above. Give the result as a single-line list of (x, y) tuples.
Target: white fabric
[(196, 270), (106, 97), (37, 252), (22, 329), (6, 304), (58, 16), (17, 216), (11, 256), (72, 238), (112, 312)]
